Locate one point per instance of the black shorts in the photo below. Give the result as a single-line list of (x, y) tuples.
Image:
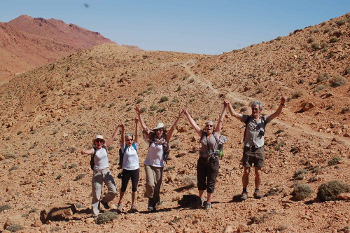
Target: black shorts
[(130, 174), (207, 171), (253, 157)]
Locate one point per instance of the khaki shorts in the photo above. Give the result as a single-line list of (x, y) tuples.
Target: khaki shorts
[(253, 157)]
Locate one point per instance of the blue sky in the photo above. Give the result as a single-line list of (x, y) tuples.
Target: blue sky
[(206, 26)]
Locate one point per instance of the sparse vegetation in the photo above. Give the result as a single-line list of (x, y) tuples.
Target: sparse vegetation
[(345, 109), (236, 105), (322, 77), (347, 70), (4, 207), (14, 167), (299, 174), (163, 99), (14, 227), (153, 107), (334, 161), (301, 191), (315, 46), (310, 40), (295, 150), (297, 94), (106, 217), (139, 100), (340, 22), (79, 177), (337, 81), (161, 110), (333, 40), (319, 88), (178, 88), (329, 191)]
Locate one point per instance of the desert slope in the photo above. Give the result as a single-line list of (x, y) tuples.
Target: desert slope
[(50, 113), (27, 42)]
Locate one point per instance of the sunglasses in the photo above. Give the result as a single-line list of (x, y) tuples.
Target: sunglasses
[(255, 109), (99, 140), (209, 126), (129, 139)]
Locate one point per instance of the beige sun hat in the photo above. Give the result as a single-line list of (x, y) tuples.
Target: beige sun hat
[(99, 137), (160, 125)]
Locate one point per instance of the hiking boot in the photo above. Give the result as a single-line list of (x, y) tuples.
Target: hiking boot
[(244, 196), (208, 205), (105, 205), (257, 194), (133, 209)]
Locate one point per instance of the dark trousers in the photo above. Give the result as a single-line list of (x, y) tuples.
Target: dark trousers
[(127, 175), (207, 171)]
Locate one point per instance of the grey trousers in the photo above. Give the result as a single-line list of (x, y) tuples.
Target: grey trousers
[(98, 178), (153, 182)]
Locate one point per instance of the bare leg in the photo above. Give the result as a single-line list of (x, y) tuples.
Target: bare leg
[(257, 177), (209, 197), (201, 193), (245, 177), (133, 197), (121, 197)]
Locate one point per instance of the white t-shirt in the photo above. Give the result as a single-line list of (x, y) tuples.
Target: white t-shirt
[(101, 159), (155, 156), (130, 158)]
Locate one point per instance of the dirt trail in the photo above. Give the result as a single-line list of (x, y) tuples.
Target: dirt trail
[(293, 128)]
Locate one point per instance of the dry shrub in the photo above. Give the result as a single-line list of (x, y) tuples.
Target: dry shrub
[(334, 161), (106, 217), (14, 228), (329, 191), (301, 191), (337, 81)]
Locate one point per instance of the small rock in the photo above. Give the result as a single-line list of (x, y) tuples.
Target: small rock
[(229, 229), (343, 196), (242, 228), (2, 157), (89, 220), (14, 220), (37, 223)]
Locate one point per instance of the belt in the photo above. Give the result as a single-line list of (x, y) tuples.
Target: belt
[(252, 148)]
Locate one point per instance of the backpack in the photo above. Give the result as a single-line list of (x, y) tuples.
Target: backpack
[(92, 159), (121, 153)]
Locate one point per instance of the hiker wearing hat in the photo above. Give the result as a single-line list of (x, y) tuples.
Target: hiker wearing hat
[(253, 152), (158, 151), (129, 162), (208, 161), (101, 174)]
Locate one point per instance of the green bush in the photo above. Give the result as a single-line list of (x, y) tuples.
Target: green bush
[(153, 107), (337, 81), (301, 191), (106, 217), (315, 46), (329, 191)]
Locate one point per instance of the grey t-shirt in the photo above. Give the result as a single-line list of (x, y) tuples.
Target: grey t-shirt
[(208, 145), (255, 130)]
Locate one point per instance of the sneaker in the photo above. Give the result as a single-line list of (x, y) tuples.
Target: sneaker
[(151, 206), (208, 205), (133, 209), (257, 194), (120, 207), (105, 205), (244, 196), (203, 202)]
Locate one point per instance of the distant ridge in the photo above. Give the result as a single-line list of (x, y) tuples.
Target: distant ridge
[(27, 42)]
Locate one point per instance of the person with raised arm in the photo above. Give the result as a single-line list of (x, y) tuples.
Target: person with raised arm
[(158, 139), (208, 161), (101, 173), (253, 152), (129, 162)]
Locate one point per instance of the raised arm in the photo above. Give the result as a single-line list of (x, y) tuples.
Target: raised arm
[(170, 132), (221, 119), (143, 125), (88, 152), (136, 125), (279, 109), (192, 122), (110, 141), (122, 135), (233, 113)]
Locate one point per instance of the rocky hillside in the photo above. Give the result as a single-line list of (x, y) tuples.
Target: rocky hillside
[(50, 113), (26, 43)]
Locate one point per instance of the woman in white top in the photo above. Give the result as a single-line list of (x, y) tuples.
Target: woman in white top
[(129, 161), (158, 150), (101, 172)]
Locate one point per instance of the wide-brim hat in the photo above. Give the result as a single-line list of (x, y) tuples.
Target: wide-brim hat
[(160, 125), (99, 137)]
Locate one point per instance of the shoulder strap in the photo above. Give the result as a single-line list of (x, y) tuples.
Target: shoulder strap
[(133, 145)]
